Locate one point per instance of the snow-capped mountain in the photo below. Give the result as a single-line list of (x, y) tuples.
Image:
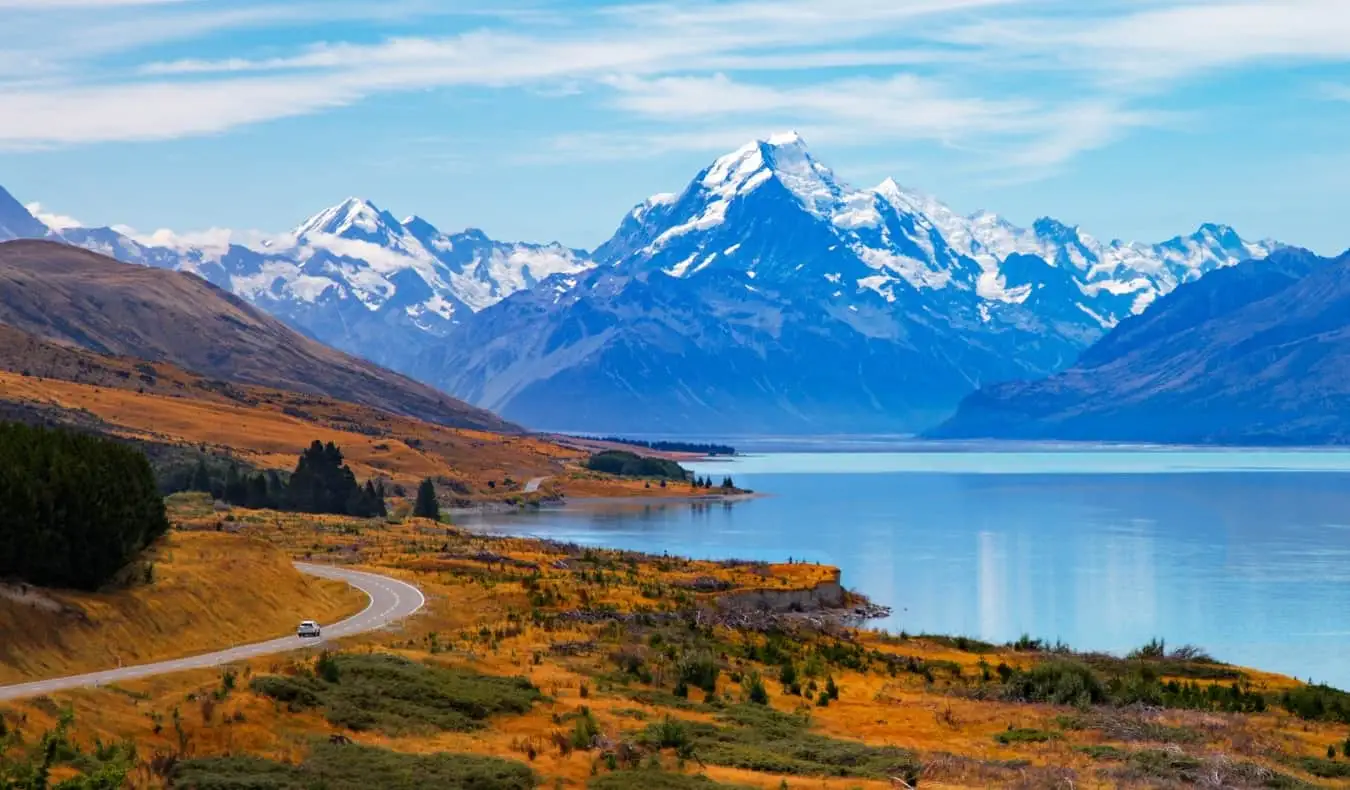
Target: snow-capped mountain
[(351, 275), (768, 295)]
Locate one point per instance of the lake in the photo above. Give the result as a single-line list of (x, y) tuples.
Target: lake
[(1244, 553)]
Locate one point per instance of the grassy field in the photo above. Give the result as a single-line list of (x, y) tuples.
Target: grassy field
[(603, 669)]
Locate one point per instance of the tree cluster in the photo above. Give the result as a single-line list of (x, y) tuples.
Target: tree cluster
[(626, 464), (321, 483), (707, 482), (74, 508), (675, 446)]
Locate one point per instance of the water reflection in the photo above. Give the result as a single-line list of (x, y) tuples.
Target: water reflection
[(1253, 566)]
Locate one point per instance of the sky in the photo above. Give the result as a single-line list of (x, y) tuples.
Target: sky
[(546, 120)]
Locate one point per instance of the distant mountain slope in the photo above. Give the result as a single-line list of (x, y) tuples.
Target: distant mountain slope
[(766, 296), (70, 295), (1258, 353), (770, 297)]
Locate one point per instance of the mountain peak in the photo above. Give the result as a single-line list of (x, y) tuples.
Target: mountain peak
[(16, 222), (352, 218), (782, 156)]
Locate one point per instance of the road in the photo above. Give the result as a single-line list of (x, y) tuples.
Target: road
[(390, 600)]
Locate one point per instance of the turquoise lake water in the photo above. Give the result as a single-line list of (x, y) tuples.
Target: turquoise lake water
[(1244, 553)]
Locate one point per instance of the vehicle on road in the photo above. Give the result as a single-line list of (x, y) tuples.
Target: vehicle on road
[(308, 628)]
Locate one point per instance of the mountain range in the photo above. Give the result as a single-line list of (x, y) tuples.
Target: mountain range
[(58, 293), (768, 296), (1257, 354)]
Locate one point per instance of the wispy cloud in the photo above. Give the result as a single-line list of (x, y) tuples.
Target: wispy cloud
[(689, 74)]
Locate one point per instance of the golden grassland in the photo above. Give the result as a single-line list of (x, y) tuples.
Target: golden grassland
[(496, 606), (269, 428), (194, 592)]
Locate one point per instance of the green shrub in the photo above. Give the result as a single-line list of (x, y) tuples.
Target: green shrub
[(1025, 735), (392, 694), (626, 464), (656, 780), (1060, 682), (754, 689), (1317, 703), (352, 767), (757, 738), (74, 509)]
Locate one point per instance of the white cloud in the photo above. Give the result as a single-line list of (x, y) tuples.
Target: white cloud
[(667, 64), (1169, 40), (53, 221)]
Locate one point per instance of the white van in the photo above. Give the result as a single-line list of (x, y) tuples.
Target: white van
[(307, 628)]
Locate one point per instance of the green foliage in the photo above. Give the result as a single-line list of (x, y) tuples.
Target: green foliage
[(352, 767), (754, 689), (1318, 703), (585, 730), (394, 695), (757, 738), (626, 464), (1324, 769), (323, 483), (74, 509), (675, 446), (28, 767), (426, 505), (647, 779), (1025, 735), (1059, 682), (698, 669)]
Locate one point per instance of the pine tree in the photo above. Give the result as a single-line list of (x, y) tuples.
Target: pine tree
[(201, 477), (427, 506)]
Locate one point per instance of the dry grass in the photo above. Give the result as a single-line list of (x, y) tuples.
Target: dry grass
[(208, 591), (482, 613), (269, 428)]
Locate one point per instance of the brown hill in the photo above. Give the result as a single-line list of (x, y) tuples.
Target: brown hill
[(73, 296)]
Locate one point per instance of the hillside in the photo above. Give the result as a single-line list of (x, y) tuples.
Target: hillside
[(175, 416), (73, 296), (1256, 354), (543, 664), (192, 592)]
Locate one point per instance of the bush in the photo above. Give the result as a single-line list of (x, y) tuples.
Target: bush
[(1058, 682), (626, 464), (1317, 703), (756, 738), (352, 767), (1025, 735), (74, 509), (754, 689), (395, 695), (656, 780)]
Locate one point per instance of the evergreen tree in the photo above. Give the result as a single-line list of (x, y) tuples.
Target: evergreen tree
[(74, 508), (201, 477), (427, 506)]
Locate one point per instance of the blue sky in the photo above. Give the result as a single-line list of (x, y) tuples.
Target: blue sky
[(549, 119)]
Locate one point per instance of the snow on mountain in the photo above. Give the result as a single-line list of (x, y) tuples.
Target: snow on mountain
[(769, 295), (766, 287), (352, 254)]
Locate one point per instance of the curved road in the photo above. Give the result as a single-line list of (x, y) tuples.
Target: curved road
[(390, 600)]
